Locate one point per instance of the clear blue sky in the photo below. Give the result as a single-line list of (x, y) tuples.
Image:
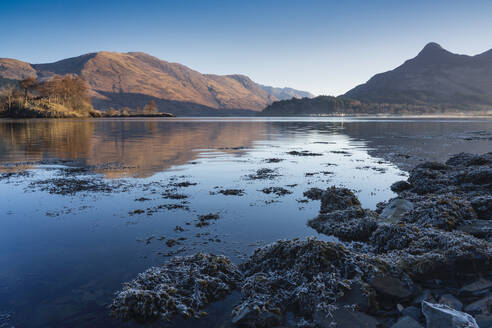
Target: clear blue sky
[(325, 47)]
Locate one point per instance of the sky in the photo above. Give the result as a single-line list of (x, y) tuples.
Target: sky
[(325, 47)]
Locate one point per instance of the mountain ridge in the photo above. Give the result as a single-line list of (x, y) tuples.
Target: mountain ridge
[(434, 76), (111, 75)]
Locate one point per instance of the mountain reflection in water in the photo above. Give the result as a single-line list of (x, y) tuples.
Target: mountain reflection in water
[(122, 148)]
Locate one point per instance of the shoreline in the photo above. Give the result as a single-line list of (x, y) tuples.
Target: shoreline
[(423, 256)]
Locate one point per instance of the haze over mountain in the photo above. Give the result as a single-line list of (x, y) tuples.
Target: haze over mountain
[(133, 79), (434, 76)]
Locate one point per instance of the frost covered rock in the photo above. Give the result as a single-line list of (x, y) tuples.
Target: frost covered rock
[(427, 252), (334, 199), (341, 215), (444, 211), (442, 316), (183, 286), (308, 276)]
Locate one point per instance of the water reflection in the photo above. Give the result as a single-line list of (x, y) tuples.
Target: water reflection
[(120, 148)]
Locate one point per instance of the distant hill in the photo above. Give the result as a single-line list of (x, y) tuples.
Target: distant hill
[(434, 76), (135, 78), (286, 93)]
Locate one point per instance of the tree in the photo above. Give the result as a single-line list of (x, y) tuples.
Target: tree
[(9, 92), (150, 108), (70, 91), (28, 84)]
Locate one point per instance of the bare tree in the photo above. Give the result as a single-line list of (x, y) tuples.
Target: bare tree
[(150, 108), (28, 84), (8, 91)]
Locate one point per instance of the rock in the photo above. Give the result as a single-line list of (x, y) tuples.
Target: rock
[(426, 253), (263, 174), (451, 301), (232, 192), (482, 306), (279, 191), (360, 296), (484, 321), (183, 286), (254, 317), (335, 198), (465, 159), (343, 318), (426, 296), (309, 276), (443, 211), (395, 209), (442, 316), (348, 225), (407, 322), (400, 186), (476, 288), (477, 228), (313, 193), (479, 176), (412, 312), (390, 287), (483, 206), (341, 215)]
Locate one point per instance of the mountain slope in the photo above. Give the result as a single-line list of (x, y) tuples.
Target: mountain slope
[(434, 76), (286, 93), (129, 79)]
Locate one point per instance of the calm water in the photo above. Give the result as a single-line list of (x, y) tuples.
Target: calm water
[(63, 256)]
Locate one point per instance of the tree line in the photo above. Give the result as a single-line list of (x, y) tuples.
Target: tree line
[(70, 91)]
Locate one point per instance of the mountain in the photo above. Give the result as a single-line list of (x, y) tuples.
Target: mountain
[(434, 76), (286, 93), (135, 78)]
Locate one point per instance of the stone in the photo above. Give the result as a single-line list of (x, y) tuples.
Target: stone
[(335, 198), (390, 287), (442, 316), (482, 306), (357, 295), (477, 228), (400, 186), (184, 285), (395, 209), (412, 312), (343, 318), (451, 301), (476, 288), (407, 322), (484, 320), (483, 206)]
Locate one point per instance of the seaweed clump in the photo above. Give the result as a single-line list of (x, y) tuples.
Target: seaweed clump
[(308, 277), (342, 215), (183, 286)]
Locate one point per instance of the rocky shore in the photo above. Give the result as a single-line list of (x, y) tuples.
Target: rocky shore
[(422, 259)]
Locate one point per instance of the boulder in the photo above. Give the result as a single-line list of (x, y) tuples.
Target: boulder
[(451, 301), (400, 186), (484, 320), (344, 318), (412, 312), (482, 306), (334, 198), (476, 288), (407, 322), (395, 209), (390, 287), (442, 316), (477, 228)]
